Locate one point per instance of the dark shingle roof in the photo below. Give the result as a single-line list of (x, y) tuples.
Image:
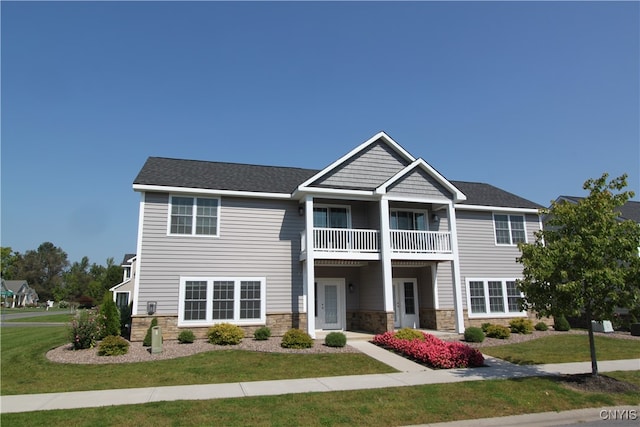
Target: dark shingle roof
[(487, 195), (221, 176), (162, 171), (630, 210), (126, 259)]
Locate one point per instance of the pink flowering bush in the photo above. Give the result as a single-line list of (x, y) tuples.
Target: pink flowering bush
[(85, 330), (432, 351)]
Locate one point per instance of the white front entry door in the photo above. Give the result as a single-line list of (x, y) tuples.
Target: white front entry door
[(405, 303), (330, 311)]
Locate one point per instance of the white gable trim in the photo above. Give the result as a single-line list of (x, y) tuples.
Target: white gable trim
[(380, 135), (420, 163)]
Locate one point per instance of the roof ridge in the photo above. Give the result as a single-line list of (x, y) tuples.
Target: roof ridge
[(233, 163)]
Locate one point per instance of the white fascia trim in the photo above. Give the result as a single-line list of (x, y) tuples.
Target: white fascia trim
[(184, 190), (136, 283), (380, 135), (458, 195), (495, 209)]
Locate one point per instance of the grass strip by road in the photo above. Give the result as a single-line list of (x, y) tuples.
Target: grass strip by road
[(26, 347), (52, 318), (378, 407), (565, 348)]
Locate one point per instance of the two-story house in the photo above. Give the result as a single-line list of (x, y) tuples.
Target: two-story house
[(377, 240), (123, 291)]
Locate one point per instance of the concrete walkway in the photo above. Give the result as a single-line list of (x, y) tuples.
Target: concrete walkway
[(411, 374)]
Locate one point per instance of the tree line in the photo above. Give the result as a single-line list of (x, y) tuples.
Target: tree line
[(48, 270)]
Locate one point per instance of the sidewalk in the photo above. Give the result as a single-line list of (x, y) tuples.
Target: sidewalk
[(411, 374)]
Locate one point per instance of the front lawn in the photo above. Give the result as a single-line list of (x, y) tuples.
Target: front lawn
[(52, 318), (26, 347), (565, 348), (376, 407)]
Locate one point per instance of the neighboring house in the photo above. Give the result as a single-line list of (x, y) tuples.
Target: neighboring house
[(375, 241), (630, 210), (123, 291), (22, 294)]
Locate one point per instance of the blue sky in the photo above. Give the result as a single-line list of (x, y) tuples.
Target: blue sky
[(532, 97)]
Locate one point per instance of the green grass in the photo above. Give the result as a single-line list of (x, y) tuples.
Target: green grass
[(5, 310), (378, 407), (60, 317), (565, 348), (26, 347)]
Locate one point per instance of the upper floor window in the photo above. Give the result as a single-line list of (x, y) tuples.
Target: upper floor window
[(509, 229), (194, 216), (331, 217), (408, 220)]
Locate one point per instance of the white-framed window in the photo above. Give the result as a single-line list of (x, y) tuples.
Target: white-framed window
[(509, 229), (210, 300), (493, 298), (194, 216), (122, 299), (331, 216), (408, 220)]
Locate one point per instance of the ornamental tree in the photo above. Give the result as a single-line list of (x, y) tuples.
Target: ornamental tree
[(585, 261)]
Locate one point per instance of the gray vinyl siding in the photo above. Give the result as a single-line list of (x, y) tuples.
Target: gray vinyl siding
[(258, 238), (444, 280), (366, 170), (480, 257), (419, 183)]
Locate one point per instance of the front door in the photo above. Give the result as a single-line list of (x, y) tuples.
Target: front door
[(405, 303), (330, 304)]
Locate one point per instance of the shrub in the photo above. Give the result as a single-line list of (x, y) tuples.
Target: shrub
[(473, 334), (521, 326), (296, 338), (225, 334), (186, 337), (85, 330), (110, 317), (485, 326), (541, 326), (498, 331), (409, 334), (86, 301), (335, 339), (432, 351), (561, 323), (63, 304), (262, 334), (113, 346), (147, 338)]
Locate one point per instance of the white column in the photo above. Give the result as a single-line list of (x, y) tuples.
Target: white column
[(385, 255), (308, 269), (457, 285)]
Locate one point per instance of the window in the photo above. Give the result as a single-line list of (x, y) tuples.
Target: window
[(122, 300), (509, 229), (194, 216), (408, 220), (493, 298), (330, 217), (215, 300)]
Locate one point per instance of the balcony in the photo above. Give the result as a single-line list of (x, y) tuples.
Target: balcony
[(347, 243)]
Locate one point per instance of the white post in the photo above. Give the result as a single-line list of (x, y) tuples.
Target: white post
[(385, 255), (309, 268), (457, 285)]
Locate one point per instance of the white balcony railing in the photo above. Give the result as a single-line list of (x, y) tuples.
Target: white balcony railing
[(345, 240), (368, 241), (420, 242)]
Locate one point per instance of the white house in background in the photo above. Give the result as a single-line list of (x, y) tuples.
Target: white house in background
[(20, 293), (377, 240), (123, 291)]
